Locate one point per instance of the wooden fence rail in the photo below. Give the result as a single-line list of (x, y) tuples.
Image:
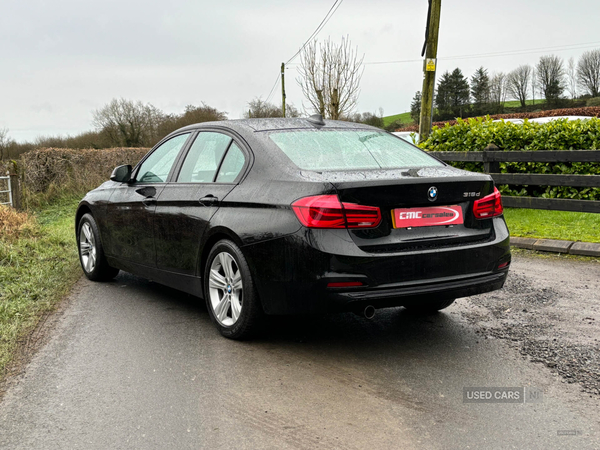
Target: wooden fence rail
[(491, 160)]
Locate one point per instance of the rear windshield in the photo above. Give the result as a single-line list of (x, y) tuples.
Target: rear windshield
[(320, 150)]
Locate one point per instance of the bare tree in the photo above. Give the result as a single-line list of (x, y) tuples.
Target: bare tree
[(517, 83), (127, 123), (260, 108), (572, 78), (534, 85), (498, 91), (5, 142), (588, 72), (330, 77), (550, 76)]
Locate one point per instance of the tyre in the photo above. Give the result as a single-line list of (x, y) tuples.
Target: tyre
[(429, 307), (91, 255), (231, 297)]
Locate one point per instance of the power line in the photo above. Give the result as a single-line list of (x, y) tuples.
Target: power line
[(273, 88), (328, 16), (496, 54), (525, 51)]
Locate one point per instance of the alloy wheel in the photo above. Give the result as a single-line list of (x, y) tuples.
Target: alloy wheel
[(87, 247), (225, 289)]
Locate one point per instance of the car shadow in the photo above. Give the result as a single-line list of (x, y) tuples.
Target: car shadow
[(390, 326)]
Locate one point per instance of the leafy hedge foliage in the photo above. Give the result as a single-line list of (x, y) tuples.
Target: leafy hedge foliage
[(561, 134), (590, 111)]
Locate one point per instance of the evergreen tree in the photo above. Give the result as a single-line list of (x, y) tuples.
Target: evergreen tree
[(480, 90), (452, 98), (415, 108), (461, 95), (442, 97)]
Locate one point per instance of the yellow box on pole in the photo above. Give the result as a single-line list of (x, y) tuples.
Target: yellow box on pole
[(430, 64)]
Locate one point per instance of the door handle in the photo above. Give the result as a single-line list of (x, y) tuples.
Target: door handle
[(209, 200), (147, 191), (149, 201)]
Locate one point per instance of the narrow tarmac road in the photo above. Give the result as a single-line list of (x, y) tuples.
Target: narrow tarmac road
[(134, 365)]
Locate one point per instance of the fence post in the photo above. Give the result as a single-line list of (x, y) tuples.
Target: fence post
[(16, 190), (490, 166)]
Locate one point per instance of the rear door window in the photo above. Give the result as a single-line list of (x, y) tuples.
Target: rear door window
[(204, 158)]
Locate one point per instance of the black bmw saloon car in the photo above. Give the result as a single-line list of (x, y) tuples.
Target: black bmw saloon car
[(296, 216)]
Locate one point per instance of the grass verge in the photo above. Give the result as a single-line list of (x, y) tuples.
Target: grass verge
[(37, 269), (404, 118), (569, 226)]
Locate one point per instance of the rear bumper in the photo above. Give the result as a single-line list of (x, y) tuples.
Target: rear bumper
[(292, 273), (416, 293)]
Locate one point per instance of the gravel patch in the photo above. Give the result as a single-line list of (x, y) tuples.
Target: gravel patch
[(550, 315)]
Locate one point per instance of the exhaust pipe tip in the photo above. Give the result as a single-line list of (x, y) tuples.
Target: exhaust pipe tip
[(369, 312)]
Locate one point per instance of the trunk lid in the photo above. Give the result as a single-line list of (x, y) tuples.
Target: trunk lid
[(409, 190)]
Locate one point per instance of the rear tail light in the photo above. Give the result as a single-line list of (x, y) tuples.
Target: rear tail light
[(326, 211), (488, 206)]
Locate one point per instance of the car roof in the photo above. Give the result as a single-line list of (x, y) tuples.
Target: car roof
[(268, 124)]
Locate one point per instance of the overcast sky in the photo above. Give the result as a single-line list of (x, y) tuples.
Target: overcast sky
[(62, 59)]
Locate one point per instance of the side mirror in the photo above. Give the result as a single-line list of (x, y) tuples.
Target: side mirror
[(121, 174)]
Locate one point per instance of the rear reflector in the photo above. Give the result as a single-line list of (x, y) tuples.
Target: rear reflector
[(344, 284), (326, 211), (503, 265), (488, 206)]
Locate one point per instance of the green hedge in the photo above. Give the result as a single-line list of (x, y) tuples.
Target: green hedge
[(561, 134)]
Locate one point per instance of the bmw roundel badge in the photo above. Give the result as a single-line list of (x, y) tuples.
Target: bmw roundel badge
[(432, 194)]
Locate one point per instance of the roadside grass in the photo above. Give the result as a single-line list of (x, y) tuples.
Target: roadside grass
[(517, 103), (569, 226), (37, 269), (404, 118)]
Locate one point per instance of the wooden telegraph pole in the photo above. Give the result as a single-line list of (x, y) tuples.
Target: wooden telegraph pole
[(429, 66), (283, 88)]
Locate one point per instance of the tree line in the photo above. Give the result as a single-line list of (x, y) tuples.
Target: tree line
[(119, 123), (329, 76), (126, 123), (557, 83)]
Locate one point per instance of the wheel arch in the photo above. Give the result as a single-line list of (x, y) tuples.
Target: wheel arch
[(215, 236), (82, 210)]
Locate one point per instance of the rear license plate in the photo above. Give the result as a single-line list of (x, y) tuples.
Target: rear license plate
[(427, 216)]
